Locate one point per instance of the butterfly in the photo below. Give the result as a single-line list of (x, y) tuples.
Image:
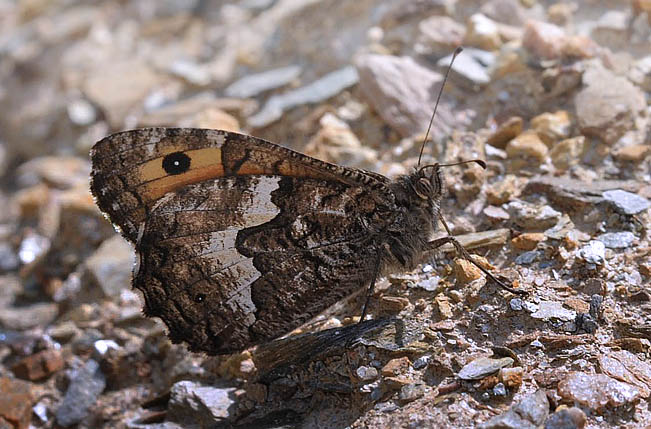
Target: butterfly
[(240, 240)]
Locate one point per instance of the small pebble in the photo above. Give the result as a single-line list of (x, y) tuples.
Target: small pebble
[(527, 258), (101, 347), (8, 258), (530, 412), (499, 390), (617, 240), (395, 367), (527, 145), (516, 304), (553, 310), (495, 213), (566, 418), (86, 384), (367, 373), (255, 84), (586, 323), (508, 130), (597, 391), (626, 202), (386, 407), (483, 366), (422, 362), (81, 112), (465, 271), (32, 247), (528, 240), (593, 253), (552, 127), (511, 377)]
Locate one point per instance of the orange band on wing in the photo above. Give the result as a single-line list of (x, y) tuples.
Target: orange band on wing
[(205, 164), (159, 187), (199, 158)]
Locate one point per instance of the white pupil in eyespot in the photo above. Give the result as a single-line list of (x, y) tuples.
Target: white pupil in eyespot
[(176, 163)]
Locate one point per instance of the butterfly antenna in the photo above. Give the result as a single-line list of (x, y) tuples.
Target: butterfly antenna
[(438, 98), (481, 162)]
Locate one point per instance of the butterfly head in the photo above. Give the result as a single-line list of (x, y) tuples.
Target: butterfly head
[(427, 183)]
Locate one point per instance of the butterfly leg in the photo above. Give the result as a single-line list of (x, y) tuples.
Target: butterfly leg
[(371, 288), (435, 244)]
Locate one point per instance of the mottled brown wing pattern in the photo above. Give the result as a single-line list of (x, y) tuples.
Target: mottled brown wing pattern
[(235, 261), (130, 173), (238, 240)]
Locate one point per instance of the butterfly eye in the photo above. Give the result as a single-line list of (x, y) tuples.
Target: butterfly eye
[(176, 163), (423, 188)]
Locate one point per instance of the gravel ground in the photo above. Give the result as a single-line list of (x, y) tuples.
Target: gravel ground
[(554, 96)]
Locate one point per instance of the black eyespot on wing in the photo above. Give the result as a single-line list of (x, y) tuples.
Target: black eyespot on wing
[(200, 297), (176, 163)]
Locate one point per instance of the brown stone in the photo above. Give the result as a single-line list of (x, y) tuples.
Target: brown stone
[(577, 304), (552, 127), (508, 130), (394, 304), (444, 307), (395, 383), (640, 6), (503, 191), (637, 345), (439, 35), (568, 152), (511, 377), (528, 240), (561, 13), (482, 32), (395, 367), (645, 268), (16, 400), (336, 142), (443, 325), (543, 40), (527, 145), (632, 153), (465, 271), (483, 262), (39, 365)]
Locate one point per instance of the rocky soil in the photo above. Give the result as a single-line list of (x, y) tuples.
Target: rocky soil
[(554, 96)]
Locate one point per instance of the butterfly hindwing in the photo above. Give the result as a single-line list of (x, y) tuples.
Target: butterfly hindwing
[(234, 261)]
